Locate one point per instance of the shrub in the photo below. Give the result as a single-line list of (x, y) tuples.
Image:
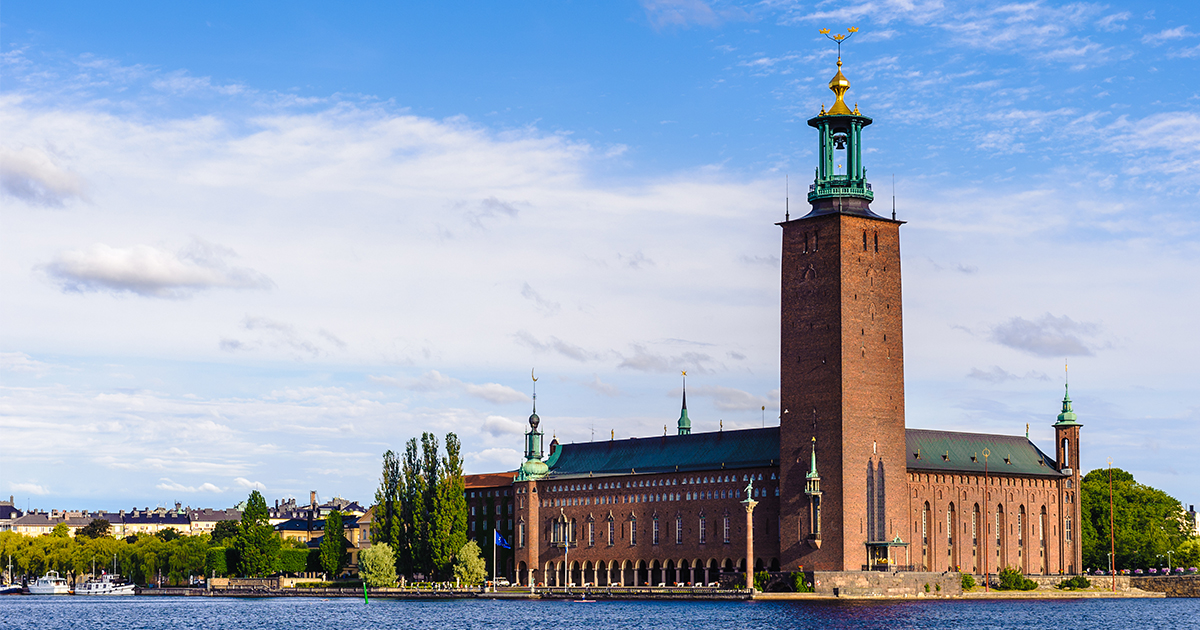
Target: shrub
[(1011, 579), (1076, 582), (927, 587), (799, 583), (292, 560), (760, 581), (968, 581)]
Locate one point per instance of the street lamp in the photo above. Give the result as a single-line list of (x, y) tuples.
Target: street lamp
[(1169, 562)]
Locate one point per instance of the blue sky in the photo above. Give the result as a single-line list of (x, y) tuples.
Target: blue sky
[(246, 247)]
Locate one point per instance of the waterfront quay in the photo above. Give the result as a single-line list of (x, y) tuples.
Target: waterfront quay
[(1123, 588)]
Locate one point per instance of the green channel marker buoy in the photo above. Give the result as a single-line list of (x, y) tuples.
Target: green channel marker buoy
[(366, 600)]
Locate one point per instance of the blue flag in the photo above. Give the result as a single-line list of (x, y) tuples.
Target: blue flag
[(500, 540)]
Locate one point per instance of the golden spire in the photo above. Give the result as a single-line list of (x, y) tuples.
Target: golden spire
[(839, 83)]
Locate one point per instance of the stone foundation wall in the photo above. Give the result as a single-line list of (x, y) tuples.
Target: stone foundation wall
[(879, 584), (1176, 586)]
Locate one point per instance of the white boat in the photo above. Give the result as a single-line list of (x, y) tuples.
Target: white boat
[(107, 584), (50, 584)]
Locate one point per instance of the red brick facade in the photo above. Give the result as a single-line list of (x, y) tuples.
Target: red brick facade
[(842, 382)]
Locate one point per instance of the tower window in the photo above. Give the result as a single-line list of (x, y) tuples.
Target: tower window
[(864, 240), (877, 242)]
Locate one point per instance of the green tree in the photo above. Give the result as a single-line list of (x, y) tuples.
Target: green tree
[(1146, 521), (1187, 554), (168, 534), (387, 525), (377, 565), (333, 545), (469, 567), (428, 534), (98, 528), (257, 545), (450, 519), (226, 532), (188, 558), (61, 531), (413, 516)]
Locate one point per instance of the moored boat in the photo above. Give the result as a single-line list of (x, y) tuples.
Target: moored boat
[(106, 584), (50, 584)]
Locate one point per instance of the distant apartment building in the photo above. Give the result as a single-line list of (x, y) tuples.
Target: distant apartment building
[(8, 514)]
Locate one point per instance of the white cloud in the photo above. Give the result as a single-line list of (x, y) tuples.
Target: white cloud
[(36, 177), (434, 381), (602, 388), (250, 485), (495, 392), (732, 399), (999, 375), (684, 13), (499, 426), (1166, 35), (1047, 336), (28, 488), (151, 271), (166, 484)]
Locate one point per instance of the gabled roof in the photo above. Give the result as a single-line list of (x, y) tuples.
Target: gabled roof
[(953, 451), (747, 448), (488, 480)]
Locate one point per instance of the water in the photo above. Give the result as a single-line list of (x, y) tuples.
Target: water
[(196, 613)]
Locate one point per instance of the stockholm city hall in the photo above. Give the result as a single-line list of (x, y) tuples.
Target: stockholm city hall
[(841, 485)]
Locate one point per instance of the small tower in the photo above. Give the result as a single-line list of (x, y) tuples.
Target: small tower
[(1066, 448), (685, 424), (812, 488), (534, 467)]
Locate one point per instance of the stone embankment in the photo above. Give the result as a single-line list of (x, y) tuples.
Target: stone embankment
[(1172, 586)]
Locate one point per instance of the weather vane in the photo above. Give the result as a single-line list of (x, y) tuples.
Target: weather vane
[(839, 38)]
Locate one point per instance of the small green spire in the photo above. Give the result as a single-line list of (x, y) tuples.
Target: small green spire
[(812, 469), (1067, 417), (685, 424)]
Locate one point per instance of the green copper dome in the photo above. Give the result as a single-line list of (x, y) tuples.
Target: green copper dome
[(1067, 418), (532, 469)]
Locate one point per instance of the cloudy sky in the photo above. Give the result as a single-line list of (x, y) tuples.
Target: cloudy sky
[(244, 248)]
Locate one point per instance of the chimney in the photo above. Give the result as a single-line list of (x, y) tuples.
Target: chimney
[(312, 498)]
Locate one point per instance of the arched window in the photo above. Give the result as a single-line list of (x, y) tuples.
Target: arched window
[(612, 539), (654, 532), (678, 529), (877, 242), (1067, 529), (725, 525), (703, 529), (1066, 453), (633, 532)]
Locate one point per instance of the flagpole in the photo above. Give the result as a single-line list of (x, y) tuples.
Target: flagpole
[(494, 545)]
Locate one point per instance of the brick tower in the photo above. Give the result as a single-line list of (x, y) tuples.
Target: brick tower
[(841, 364)]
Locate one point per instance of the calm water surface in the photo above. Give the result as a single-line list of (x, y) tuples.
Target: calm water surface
[(54, 612)]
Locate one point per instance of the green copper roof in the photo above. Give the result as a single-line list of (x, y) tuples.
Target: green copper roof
[(812, 470), (669, 453), (1067, 417), (934, 451), (951, 451), (685, 424)]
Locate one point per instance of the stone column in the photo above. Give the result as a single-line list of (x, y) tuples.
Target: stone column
[(749, 504)]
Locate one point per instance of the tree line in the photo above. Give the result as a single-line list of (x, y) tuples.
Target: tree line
[(1146, 523), (248, 548), (420, 508)]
